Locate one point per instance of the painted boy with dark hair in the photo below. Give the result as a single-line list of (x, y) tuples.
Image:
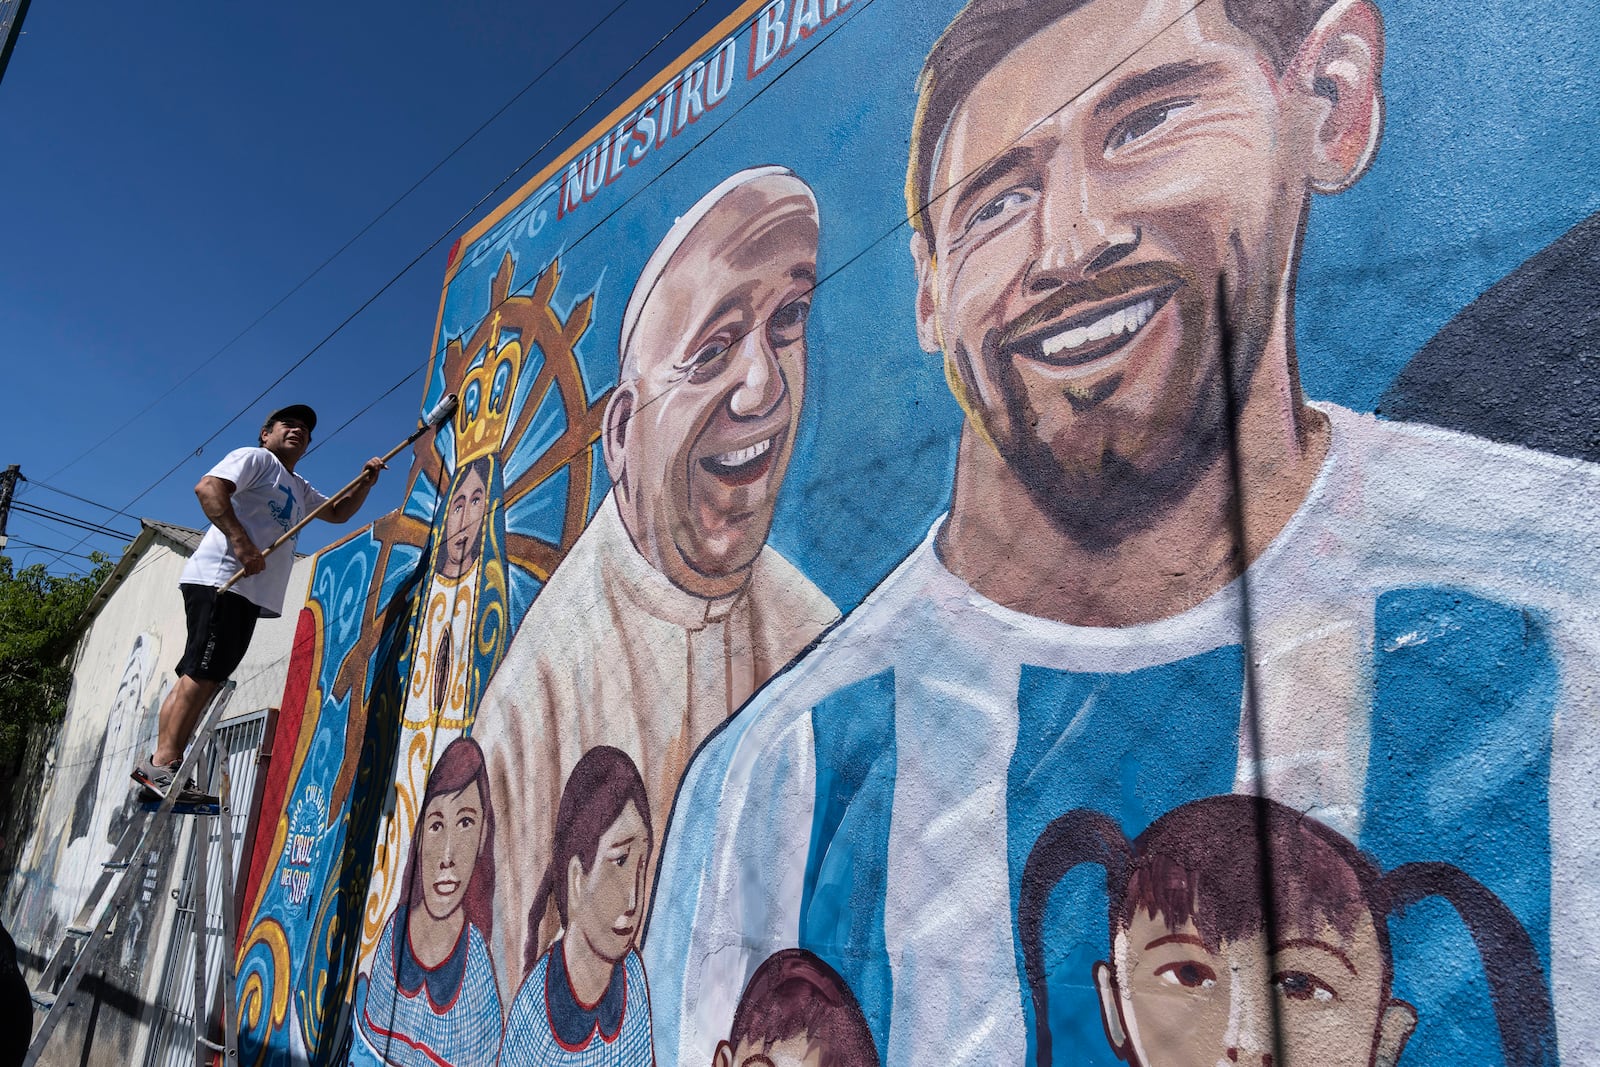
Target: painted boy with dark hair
[(1110, 199), (797, 1012)]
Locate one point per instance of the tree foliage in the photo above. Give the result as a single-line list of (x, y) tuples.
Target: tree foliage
[(40, 617)]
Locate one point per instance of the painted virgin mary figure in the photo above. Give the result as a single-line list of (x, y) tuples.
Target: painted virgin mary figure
[(455, 644), (430, 998), (462, 609)]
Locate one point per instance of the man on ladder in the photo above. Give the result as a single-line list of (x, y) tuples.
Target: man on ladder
[(254, 499)]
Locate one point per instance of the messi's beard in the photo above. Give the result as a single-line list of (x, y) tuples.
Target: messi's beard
[(1100, 501)]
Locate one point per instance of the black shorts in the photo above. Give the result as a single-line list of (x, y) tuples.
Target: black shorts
[(219, 632)]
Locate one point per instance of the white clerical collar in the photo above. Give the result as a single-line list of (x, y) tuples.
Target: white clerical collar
[(652, 591)]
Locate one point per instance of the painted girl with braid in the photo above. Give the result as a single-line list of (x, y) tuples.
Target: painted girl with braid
[(584, 1002), (430, 998), (1189, 979)]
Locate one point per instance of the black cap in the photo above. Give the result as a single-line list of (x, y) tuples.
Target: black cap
[(300, 412)]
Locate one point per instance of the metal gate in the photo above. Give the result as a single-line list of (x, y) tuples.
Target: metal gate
[(172, 1030)]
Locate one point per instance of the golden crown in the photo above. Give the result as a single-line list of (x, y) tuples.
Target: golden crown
[(486, 390)]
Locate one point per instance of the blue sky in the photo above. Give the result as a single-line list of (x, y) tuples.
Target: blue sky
[(171, 174), (171, 171)]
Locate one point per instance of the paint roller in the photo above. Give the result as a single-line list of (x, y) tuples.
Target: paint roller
[(435, 417)]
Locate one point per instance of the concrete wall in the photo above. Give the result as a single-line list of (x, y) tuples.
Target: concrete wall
[(122, 669), (925, 568)]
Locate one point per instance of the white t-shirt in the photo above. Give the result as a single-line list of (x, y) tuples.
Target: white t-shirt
[(268, 499)]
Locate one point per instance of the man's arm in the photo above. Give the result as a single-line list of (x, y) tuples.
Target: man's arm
[(216, 500), (344, 509)]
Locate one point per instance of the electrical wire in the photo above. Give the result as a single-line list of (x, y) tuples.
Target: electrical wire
[(414, 261), (30, 482), (537, 78), (47, 548), (46, 515), (24, 508), (372, 404)]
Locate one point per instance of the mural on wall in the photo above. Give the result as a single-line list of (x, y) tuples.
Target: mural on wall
[(584, 999), (1182, 709), (87, 806), (405, 624), (1548, 309)]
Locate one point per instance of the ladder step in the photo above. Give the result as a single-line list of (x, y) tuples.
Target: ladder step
[(142, 844), (184, 809)]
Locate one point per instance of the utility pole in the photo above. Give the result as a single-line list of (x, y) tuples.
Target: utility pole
[(12, 13), (8, 485)]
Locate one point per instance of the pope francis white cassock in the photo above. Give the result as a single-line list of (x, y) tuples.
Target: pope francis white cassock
[(670, 610)]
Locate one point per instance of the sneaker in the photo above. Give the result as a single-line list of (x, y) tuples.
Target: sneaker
[(156, 781)]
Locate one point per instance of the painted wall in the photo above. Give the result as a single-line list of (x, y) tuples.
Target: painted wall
[(122, 669), (822, 625)]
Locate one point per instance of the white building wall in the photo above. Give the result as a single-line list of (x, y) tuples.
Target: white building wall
[(122, 669)]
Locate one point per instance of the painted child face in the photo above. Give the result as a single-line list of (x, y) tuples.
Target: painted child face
[(603, 902), (452, 831), (1170, 1001), (796, 1051)]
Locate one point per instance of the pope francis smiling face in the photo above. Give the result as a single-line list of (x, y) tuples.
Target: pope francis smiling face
[(700, 429)]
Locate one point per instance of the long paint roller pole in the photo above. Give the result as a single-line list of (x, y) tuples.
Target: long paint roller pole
[(441, 411)]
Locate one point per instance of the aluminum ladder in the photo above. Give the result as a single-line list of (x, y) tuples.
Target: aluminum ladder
[(134, 856)]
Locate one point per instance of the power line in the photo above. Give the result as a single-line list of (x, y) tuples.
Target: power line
[(52, 515), (60, 516), (82, 499), (48, 548), (414, 261), (374, 403), (345, 247), (24, 508)]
